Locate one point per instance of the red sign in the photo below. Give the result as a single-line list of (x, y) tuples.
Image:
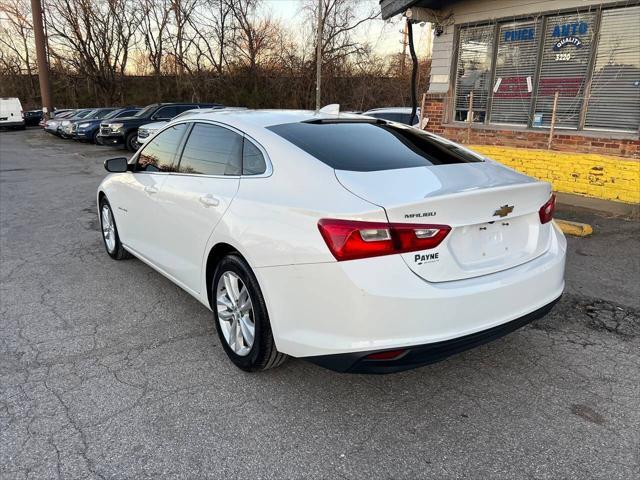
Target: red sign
[(513, 87), (565, 86)]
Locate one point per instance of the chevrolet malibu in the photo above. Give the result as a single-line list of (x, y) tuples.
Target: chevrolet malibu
[(356, 243)]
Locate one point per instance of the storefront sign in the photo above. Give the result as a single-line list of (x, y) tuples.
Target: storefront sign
[(565, 86), (563, 42), (513, 87), (570, 29), (522, 34)]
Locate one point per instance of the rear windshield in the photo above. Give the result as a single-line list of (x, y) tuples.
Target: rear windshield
[(366, 147)]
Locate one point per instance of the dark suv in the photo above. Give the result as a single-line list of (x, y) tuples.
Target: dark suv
[(88, 130), (124, 131)]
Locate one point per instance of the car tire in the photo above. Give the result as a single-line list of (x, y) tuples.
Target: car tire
[(110, 236), (250, 356), (94, 137), (131, 142)]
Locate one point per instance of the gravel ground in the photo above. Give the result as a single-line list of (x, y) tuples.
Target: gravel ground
[(108, 370)]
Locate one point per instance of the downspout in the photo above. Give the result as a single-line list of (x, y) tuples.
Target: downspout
[(414, 71)]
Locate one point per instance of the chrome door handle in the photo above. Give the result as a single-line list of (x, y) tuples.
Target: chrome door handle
[(209, 201), (151, 189)]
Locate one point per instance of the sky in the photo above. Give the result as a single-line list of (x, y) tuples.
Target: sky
[(386, 36)]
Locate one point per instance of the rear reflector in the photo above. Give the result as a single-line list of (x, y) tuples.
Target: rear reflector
[(350, 239), (547, 210), (388, 355)]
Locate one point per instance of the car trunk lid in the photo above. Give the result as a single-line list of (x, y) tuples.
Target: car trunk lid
[(492, 212)]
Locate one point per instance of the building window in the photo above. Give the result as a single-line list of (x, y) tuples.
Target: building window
[(591, 59), (474, 71), (565, 66), (516, 62), (614, 100)]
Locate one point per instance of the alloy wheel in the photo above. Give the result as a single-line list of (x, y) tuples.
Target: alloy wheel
[(108, 228), (235, 313)]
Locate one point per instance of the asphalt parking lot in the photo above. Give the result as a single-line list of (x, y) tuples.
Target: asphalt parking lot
[(108, 370)]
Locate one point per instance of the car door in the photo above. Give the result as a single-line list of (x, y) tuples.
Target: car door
[(194, 199), (137, 211)]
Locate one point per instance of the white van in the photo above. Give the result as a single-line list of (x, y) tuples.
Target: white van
[(11, 113)]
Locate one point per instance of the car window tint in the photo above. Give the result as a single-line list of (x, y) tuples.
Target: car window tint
[(368, 146), (252, 159), (167, 112), (128, 113), (184, 108), (158, 155), (102, 113), (211, 150)]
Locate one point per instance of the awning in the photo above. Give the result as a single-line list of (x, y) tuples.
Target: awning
[(390, 8)]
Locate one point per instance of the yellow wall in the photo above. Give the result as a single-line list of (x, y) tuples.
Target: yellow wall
[(599, 176)]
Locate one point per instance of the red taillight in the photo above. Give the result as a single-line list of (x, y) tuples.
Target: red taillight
[(547, 210), (388, 355), (350, 240)]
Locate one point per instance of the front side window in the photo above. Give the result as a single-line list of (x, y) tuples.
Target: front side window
[(102, 114), (128, 113), (475, 55), (159, 154), (211, 150), (366, 146)]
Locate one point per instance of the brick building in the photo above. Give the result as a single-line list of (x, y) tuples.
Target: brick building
[(498, 65)]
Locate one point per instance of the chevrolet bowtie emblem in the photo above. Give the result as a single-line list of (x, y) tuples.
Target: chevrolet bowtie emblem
[(503, 211)]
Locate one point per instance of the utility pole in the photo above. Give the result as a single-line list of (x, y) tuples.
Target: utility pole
[(41, 54), (319, 55), (404, 46)]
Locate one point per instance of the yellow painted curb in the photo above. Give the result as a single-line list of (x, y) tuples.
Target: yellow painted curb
[(574, 228)]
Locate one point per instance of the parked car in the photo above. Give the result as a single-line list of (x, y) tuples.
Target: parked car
[(51, 126), (69, 130), (148, 130), (56, 113), (124, 131), (77, 115), (32, 117), (88, 129), (395, 114), (11, 115), (358, 244)]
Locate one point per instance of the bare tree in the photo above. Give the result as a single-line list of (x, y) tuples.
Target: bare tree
[(254, 36), (94, 39), (154, 25), (211, 25), (16, 38)]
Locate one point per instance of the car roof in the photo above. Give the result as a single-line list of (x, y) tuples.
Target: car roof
[(391, 110), (264, 118)]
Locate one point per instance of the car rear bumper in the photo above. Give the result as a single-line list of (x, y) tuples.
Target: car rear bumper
[(420, 355), (5, 123), (377, 304)]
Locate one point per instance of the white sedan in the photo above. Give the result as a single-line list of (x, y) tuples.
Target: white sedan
[(355, 243)]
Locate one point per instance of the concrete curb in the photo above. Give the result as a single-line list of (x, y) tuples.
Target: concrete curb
[(618, 209), (576, 229)]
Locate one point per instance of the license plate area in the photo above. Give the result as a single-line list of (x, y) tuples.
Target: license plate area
[(495, 243)]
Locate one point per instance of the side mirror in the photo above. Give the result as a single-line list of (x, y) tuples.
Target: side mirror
[(116, 165)]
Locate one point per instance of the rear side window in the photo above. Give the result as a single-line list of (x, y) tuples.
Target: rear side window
[(366, 147), (159, 154), (166, 113), (252, 159), (211, 150)]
